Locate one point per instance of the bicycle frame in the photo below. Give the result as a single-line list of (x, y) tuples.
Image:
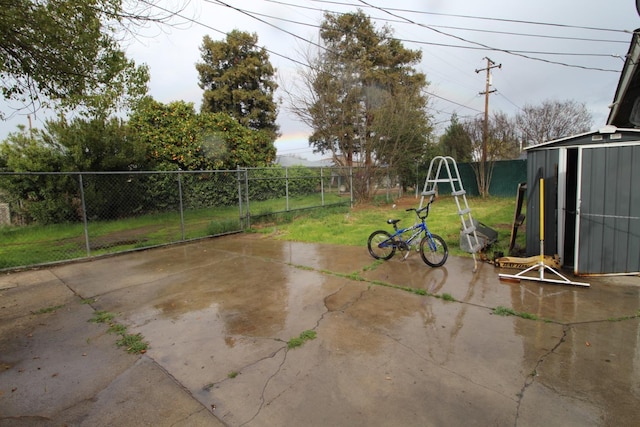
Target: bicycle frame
[(420, 227)]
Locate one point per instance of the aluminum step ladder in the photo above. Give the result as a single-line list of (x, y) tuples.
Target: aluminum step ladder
[(446, 171)]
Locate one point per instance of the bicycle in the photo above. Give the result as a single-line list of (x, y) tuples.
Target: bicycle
[(433, 249)]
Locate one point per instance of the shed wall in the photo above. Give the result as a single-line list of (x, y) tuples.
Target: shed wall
[(609, 229), (542, 163)]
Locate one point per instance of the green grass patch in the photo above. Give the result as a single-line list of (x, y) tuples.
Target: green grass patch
[(117, 329), (232, 374), (448, 297), (622, 318), (37, 244), (352, 227), (102, 316), (336, 223), (134, 343), (48, 309), (505, 311), (301, 339)]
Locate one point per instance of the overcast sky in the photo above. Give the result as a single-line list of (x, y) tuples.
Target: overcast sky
[(547, 49)]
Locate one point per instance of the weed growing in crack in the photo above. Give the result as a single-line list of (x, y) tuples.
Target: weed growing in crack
[(373, 265), (448, 297), (302, 338), (116, 328), (619, 319), (232, 374), (48, 309), (505, 311), (102, 316), (134, 343)]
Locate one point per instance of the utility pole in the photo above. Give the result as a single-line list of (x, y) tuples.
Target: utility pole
[(485, 126)]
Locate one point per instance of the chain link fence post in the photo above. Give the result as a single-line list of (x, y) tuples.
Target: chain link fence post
[(84, 215)]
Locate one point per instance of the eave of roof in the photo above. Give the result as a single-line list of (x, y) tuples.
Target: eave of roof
[(606, 130), (628, 89)]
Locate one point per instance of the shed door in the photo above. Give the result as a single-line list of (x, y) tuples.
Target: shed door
[(608, 223)]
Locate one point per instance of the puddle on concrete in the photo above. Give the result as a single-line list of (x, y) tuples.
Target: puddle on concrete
[(232, 304)]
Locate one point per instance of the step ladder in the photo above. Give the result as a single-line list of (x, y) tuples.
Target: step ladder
[(446, 170)]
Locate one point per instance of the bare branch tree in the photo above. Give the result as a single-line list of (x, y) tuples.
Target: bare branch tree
[(552, 120)]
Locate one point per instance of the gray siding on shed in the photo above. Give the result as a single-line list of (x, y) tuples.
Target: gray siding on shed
[(591, 201), (609, 229), (546, 162)]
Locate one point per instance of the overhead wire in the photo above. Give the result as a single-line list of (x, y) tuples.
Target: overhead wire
[(482, 45), (209, 27), (421, 42), (517, 21), (257, 15), (297, 5), (478, 46)]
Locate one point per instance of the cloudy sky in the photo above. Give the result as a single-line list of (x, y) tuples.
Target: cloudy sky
[(547, 49)]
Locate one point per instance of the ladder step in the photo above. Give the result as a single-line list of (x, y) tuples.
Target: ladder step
[(476, 248), (429, 193), (464, 211), (443, 180), (469, 229), (458, 193)]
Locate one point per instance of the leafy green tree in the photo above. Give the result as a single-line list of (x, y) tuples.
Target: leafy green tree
[(456, 142), (367, 104), (79, 145), (238, 79), (67, 52), (177, 137), (403, 141), (28, 151)]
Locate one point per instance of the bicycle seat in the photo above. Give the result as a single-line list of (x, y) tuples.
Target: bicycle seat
[(393, 221)]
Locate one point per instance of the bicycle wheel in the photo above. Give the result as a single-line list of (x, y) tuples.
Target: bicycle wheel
[(381, 245), (433, 250)]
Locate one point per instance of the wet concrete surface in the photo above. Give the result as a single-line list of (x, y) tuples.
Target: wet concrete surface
[(398, 342)]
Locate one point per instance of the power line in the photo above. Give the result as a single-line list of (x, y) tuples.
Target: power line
[(484, 45), (517, 21), (250, 14), (420, 42), (545, 36), (209, 27)]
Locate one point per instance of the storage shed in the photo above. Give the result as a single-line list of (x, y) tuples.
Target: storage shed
[(591, 201), (592, 188)]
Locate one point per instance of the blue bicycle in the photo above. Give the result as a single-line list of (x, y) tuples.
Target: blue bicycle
[(433, 249)]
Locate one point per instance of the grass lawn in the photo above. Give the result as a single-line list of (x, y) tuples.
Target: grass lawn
[(334, 224), (345, 226)]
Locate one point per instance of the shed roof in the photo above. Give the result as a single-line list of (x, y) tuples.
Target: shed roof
[(606, 135)]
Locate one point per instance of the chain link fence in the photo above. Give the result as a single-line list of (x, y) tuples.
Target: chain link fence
[(54, 217)]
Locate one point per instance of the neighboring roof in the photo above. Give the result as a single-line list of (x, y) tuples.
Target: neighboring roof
[(606, 135), (287, 161), (622, 113)]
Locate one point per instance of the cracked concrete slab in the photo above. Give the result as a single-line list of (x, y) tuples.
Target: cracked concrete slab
[(397, 342)]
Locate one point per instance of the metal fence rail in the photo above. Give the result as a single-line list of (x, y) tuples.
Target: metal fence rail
[(55, 216)]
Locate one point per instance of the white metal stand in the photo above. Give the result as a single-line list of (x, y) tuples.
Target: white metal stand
[(457, 191), (540, 265)]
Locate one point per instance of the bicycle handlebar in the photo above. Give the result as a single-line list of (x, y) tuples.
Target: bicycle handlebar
[(418, 211)]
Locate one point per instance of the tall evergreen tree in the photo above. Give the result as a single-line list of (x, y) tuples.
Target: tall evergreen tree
[(456, 141), (238, 79), (368, 104)]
